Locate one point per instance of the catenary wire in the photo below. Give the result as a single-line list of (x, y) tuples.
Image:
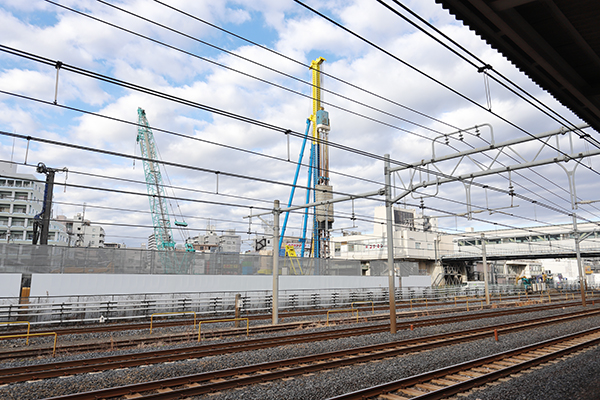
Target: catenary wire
[(228, 114), (260, 79), (170, 132), (333, 77), (374, 220), (230, 204), (173, 30), (151, 21), (558, 118), (225, 113), (484, 66), (428, 76), (198, 139)]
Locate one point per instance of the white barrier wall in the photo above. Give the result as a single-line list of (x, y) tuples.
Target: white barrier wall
[(10, 285), (416, 281), (91, 284)]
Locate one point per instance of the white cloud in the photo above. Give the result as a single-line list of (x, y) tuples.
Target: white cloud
[(290, 29)]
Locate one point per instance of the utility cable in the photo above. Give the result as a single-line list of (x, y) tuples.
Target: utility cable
[(224, 113), (428, 76), (484, 67), (253, 76), (333, 77)]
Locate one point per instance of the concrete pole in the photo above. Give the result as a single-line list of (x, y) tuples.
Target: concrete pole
[(275, 262), (390, 243), (485, 270)]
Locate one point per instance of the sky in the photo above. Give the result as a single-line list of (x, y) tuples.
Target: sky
[(402, 98)]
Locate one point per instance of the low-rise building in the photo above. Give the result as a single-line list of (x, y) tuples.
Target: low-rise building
[(229, 242), (81, 231), (416, 239)]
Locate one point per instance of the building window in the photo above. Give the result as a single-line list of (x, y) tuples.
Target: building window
[(417, 245)]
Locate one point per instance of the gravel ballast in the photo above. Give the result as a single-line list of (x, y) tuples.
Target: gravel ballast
[(327, 383)]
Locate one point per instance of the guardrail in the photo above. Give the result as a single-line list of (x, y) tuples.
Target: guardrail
[(48, 311), (19, 323), (28, 335)]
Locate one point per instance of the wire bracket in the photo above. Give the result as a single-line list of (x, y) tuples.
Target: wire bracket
[(58, 65), (486, 84)]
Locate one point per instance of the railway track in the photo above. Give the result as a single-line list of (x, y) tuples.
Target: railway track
[(401, 306), (189, 336), (449, 381), (191, 385)]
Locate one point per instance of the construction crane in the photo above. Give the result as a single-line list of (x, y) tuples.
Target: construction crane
[(163, 234), (323, 191), (319, 185)]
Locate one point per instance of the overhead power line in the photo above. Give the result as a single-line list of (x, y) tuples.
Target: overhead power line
[(435, 80), (173, 47), (324, 73), (241, 118), (250, 75), (483, 66)]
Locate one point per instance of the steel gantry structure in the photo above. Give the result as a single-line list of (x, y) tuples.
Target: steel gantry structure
[(415, 181)]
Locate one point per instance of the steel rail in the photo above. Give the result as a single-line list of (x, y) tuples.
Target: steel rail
[(128, 343), (132, 342), (448, 381), (236, 377)]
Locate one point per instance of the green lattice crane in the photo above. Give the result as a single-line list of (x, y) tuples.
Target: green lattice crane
[(163, 233)]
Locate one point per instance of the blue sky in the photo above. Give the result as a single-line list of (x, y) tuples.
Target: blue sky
[(217, 143)]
